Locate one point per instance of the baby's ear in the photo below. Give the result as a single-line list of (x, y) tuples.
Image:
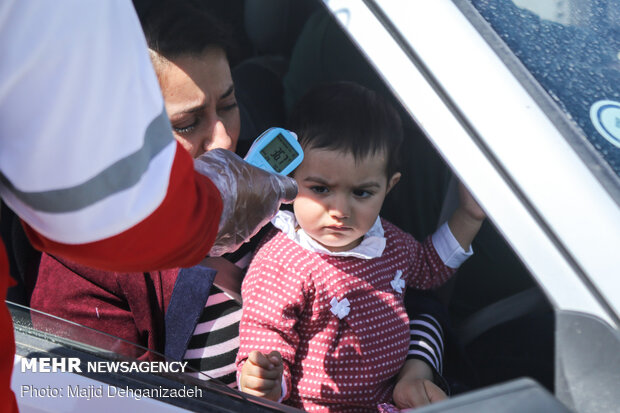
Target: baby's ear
[(393, 181)]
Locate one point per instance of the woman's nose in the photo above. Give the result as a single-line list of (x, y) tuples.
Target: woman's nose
[(219, 138)]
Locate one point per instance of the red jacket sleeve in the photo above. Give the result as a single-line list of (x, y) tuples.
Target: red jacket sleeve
[(179, 233)]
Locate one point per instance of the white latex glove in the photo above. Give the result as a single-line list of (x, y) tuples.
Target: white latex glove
[(251, 196)]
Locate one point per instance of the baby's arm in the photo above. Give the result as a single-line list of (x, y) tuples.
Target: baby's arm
[(435, 260), (414, 386), (261, 375), (466, 219), (272, 300)]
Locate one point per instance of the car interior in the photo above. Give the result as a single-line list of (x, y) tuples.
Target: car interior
[(501, 326)]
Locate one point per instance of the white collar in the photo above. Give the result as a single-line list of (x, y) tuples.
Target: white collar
[(372, 244)]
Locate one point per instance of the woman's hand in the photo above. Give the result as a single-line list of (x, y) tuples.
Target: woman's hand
[(414, 387)]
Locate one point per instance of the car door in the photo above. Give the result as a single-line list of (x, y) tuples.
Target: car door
[(536, 152)]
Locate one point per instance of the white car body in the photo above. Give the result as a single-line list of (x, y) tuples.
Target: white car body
[(556, 203)]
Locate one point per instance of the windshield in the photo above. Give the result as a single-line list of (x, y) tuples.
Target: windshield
[(572, 48)]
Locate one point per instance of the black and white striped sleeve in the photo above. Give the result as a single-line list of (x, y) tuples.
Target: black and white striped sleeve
[(427, 341)]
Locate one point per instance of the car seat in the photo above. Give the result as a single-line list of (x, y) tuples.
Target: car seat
[(272, 28)]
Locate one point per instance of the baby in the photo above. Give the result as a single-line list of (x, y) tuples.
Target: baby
[(323, 297)]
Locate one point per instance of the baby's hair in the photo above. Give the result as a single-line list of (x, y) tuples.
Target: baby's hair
[(348, 117), (177, 28)]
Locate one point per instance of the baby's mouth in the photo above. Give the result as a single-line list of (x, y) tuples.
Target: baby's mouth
[(338, 228)]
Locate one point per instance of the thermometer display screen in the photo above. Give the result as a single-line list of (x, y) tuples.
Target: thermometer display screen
[(279, 153)]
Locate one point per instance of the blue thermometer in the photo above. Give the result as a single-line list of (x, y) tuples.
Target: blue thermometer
[(276, 150)]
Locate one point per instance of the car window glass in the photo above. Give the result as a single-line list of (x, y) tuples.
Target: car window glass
[(572, 48), (60, 338), (79, 337)]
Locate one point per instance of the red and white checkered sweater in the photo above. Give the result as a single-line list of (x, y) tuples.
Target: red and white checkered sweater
[(332, 364)]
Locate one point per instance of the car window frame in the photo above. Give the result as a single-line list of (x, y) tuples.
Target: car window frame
[(540, 231)]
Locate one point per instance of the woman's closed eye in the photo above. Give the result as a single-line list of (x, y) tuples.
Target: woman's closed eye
[(227, 107), (227, 101), (185, 127)]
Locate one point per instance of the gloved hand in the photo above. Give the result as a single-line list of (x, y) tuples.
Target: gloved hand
[(251, 196)]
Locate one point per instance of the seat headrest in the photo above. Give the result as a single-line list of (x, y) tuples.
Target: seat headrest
[(273, 25)]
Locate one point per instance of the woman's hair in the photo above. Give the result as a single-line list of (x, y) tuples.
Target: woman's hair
[(347, 117), (177, 28)]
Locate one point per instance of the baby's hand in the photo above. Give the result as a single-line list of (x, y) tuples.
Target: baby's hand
[(261, 375)]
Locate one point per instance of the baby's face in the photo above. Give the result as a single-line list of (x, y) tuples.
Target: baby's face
[(339, 199)]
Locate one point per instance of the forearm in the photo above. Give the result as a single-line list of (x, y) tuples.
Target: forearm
[(415, 369), (268, 323), (464, 227), (427, 341), (467, 219), (178, 233)]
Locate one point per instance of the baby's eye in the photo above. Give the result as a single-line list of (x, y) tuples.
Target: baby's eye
[(318, 189), (362, 193)]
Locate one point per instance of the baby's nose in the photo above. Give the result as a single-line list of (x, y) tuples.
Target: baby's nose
[(340, 208)]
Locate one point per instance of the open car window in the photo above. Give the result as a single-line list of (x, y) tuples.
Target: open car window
[(533, 156), (504, 137)]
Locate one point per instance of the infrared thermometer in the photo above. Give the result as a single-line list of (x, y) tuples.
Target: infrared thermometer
[(276, 150)]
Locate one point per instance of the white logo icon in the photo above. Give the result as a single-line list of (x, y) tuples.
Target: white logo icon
[(605, 116)]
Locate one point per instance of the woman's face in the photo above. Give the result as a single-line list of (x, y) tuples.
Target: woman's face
[(199, 97)]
